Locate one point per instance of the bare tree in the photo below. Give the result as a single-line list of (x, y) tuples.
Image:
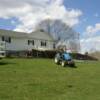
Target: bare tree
[(61, 32)]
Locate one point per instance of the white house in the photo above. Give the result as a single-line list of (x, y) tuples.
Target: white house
[(19, 41)]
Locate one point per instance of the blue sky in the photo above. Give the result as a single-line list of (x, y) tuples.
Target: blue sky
[(90, 9), (82, 15), (8, 24)]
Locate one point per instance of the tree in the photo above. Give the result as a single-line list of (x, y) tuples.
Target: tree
[(60, 32)]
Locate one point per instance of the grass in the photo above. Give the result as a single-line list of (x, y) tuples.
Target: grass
[(41, 79)]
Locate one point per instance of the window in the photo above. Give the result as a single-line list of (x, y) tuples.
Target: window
[(43, 43), (6, 39), (28, 42), (3, 38), (9, 40), (54, 46), (41, 30), (31, 42)]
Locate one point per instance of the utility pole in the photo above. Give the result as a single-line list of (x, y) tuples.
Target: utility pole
[(79, 46)]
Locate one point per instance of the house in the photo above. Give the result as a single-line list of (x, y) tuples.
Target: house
[(20, 41), (2, 50)]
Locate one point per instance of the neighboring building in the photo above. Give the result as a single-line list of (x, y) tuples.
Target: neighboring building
[(19, 41)]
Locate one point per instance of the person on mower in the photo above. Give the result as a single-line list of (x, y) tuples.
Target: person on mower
[(66, 56)]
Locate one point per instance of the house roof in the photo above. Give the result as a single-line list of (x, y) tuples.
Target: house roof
[(40, 34), (33, 35), (12, 33)]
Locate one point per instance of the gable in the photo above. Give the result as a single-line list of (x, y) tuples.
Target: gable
[(41, 35)]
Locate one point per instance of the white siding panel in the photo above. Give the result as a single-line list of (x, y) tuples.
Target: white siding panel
[(17, 44), (21, 44)]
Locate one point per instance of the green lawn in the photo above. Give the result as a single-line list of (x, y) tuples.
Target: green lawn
[(41, 79)]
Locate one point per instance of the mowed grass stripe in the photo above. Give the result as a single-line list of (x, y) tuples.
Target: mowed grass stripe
[(42, 79)]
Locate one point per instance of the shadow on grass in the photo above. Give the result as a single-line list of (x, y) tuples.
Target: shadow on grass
[(70, 86), (72, 66), (6, 63), (68, 66)]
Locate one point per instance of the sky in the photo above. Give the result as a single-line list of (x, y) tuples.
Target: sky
[(82, 15)]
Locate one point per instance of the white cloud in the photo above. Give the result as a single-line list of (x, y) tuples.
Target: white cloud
[(96, 15), (91, 40), (30, 12), (92, 31), (90, 44), (95, 29)]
